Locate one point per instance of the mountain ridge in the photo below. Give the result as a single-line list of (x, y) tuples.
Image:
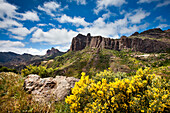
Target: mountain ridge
[(135, 44)]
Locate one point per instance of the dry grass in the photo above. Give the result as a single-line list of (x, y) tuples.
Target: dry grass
[(14, 99)]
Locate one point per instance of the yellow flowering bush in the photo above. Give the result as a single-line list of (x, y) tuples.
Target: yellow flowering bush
[(143, 92)]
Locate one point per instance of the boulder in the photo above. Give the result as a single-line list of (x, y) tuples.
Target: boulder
[(46, 89)]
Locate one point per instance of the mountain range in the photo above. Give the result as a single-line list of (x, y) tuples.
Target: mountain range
[(97, 53), (17, 61)]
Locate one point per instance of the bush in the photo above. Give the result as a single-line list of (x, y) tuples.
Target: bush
[(5, 69), (42, 71), (143, 92)]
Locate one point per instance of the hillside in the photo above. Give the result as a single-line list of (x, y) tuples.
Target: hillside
[(92, 60), (17, 61)]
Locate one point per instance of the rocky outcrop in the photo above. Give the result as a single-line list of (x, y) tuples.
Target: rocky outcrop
[(53, 51), (46, 89), (135, 44)]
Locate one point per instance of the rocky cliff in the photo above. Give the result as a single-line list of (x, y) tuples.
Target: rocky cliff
[(135, 44)]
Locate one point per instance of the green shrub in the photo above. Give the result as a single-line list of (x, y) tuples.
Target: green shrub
[(42, 71), (5, 69)]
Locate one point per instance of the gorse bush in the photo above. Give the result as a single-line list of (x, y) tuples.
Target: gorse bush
[(42, 71), (143, 92)]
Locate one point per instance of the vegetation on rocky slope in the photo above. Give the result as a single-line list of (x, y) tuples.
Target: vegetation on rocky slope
[(92, 61)]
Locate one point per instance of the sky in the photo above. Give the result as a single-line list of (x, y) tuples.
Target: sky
[(33, 26)]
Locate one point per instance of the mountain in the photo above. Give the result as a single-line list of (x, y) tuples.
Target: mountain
[(17, 61), (153, 34), (136, 43), (52, 53), (92, 54)]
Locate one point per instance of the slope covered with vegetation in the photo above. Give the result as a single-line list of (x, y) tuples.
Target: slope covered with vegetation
[(92, 61)]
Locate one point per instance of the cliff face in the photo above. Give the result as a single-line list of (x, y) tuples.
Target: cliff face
[(135, 44)]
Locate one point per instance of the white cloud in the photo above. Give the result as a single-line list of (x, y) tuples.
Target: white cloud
[(18, 37), (50, 7), (19, 47), (164, 3), (82, 2), (132, 29), (124, 26), (75, 20), (146, 1), (53, 36), (100, 27), (64, 47), (163, 25), (7, 9), (33, 29), (8, 23), (103, 4), (138, 16), (41, 24), (8, 44), (21, 31), (51, 24), (159, 18), (29, 16)]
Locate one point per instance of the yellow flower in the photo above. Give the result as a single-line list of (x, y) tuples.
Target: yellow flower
[(100, 93), (112, 99), (83, 73), (142, 111)]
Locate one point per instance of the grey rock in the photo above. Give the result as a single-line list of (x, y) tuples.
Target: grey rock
[(46, 89)]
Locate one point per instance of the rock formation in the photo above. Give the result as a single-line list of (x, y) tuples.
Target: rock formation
[(53, 51), (46, 89), (135, 44)]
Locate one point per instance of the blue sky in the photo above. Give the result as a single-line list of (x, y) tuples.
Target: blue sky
[(33, 26)]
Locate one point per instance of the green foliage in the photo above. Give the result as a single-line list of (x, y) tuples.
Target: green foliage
[(62, 107), (5, 69), (42, 71), (110, 77)]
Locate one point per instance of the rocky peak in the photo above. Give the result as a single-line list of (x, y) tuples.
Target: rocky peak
[(52, 51), (88, 35), (135, 34), (152, 31)]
